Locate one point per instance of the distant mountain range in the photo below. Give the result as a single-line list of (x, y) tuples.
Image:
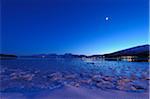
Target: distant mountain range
[(140, 51), (67, 55)]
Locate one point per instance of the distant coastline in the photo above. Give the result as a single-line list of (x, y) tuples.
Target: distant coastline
[(8, 56), (138, 53)]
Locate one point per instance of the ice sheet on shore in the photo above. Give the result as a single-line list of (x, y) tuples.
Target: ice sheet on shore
[(70, 92)]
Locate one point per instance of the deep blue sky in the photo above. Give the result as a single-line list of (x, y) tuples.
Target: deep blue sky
[(73, 26)]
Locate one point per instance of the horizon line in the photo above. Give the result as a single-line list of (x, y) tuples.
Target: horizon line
[(78, 54)]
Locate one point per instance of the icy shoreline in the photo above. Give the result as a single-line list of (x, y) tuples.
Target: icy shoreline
[(17, 80), (70, 92)]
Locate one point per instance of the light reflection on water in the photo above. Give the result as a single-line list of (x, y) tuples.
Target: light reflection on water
[(113, 68)]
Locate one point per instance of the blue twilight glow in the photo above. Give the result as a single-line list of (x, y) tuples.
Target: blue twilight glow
[(73, 26)]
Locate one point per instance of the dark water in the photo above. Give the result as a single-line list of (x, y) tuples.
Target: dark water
[(78, 65), (137, 72)]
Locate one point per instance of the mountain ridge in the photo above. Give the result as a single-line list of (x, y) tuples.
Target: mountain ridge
[(142, 50)]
